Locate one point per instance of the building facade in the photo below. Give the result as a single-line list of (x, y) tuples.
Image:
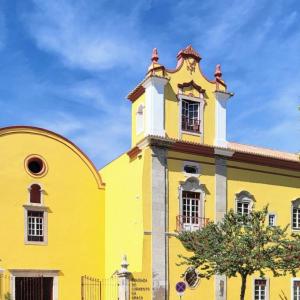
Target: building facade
[(52, 221), (63, 219), (180, 172)]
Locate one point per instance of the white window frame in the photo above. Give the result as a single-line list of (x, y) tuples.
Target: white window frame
[(267, 287), (140, 119), (292, 286), (197, 282), (34, 273), (192, 184), (295, 204), (201, 102), (192, 164), (275, 218), (43, 209), (244, 197)]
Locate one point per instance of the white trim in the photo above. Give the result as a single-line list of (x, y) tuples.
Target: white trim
[(295, 203), (267, 287), (292, 285), (275, 218), (34, 273), (45, 224), (244, 197), (192, 184), (202, 103)]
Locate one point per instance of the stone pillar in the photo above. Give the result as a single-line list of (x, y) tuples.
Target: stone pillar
[(159, 261), (220, 118), (221, 209), (124, 280)]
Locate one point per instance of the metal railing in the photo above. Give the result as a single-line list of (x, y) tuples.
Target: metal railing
[(186, 223), (192, 125)]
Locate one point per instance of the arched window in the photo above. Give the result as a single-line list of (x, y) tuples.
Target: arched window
[(244, 203), (140, 119), (35, 193), (296, 214), (192, 195)]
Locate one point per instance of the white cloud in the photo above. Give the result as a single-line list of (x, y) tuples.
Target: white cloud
[(66, 28)]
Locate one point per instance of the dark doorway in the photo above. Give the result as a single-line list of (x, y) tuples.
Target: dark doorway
[(34, 288)]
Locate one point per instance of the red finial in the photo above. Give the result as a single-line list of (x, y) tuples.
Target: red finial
[(155, 57), (218, 72)]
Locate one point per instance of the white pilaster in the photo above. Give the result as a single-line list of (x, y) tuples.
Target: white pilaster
[(220, 117), (155, 106)]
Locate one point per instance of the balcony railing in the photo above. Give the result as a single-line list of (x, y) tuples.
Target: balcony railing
[(192, 125), (185, 223)]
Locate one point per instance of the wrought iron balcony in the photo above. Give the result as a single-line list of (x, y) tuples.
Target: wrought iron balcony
[(185, 223), (192, 125)]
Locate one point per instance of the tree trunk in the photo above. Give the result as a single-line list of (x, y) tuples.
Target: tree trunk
[(243, 288)]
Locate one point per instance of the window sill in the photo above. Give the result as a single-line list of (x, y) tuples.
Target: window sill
[(36, 243), (191, 133), (36, 207)]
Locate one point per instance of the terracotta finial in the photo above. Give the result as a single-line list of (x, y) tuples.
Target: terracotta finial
[(218, 72), (155, 57)]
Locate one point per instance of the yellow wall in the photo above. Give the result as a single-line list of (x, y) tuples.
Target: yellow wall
[(124, 212), (173, 123), (75, 197)]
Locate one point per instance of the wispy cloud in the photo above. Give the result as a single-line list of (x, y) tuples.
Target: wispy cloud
[(70, 30)]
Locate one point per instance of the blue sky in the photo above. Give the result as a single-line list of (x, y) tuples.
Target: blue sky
[(67, 65)]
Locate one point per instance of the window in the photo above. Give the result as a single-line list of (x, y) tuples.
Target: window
[(190, 116), (35, 226), (272, 219), (244, 203), (190, 210), (140, 119), (296, 214), (260, 289), (35, 194), (191, 168), (35, 165), (296, 290), (191, 277)]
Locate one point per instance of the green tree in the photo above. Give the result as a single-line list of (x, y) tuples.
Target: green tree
[(242, 246)]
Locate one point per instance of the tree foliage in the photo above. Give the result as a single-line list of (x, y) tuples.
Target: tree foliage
[(242, 246)]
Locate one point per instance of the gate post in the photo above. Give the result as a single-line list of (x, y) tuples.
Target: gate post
[(124, 280)]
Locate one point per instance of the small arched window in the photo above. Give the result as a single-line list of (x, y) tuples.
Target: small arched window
[(244, 203), (140, 119), (35, 193)]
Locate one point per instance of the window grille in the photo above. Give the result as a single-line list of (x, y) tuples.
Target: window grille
[(35, 226), (190, 116), (260, 291), (296, 290), (296, 218), (191, 278), (272, 220), (243, 207), (190, 208)]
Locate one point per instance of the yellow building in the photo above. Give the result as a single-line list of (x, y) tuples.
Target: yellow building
[(62, 219), (181, 172), (52, 216)]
